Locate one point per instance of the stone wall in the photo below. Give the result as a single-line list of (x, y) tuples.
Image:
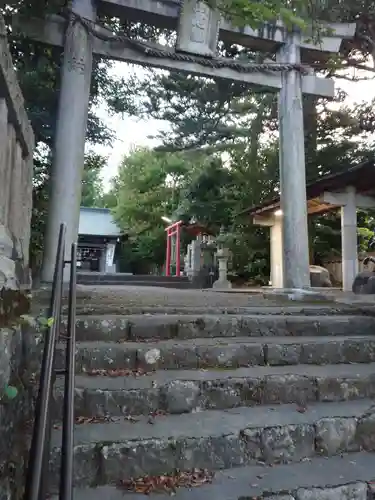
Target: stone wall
[(16, 170)]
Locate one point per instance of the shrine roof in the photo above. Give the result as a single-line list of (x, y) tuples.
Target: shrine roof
[(97, 222), (197, 228), (361, 176)]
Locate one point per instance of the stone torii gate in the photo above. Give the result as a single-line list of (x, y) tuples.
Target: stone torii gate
[(198, 29)]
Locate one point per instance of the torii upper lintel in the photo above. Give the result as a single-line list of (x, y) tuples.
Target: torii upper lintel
[(166, 14)]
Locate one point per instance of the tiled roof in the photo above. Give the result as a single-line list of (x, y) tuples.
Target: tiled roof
[(97, 222), (360, 176)]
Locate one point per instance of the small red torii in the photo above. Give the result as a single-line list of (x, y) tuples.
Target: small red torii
[(174, 231)]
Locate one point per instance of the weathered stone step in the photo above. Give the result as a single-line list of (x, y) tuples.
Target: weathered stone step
[(86, 308), (231, 352), (126, 278), (336, 478), (110, 452), (162, 284), (102, 308), (180, 391), (149, 327), (93, 308)]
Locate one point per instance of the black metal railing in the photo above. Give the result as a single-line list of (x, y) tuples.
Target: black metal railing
[(36, 487)]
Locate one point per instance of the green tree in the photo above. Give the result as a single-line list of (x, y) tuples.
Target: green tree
[(92, 184), (148, 188), (215, 192)]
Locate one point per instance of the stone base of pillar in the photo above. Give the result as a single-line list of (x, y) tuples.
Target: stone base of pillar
[(224, 284), (299, 294)]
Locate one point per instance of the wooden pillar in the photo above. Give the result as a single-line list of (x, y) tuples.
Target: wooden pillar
[(168, 255), (178, 249)]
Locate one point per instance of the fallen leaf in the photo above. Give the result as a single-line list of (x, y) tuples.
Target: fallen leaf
[(131, 419), (168, 483), (301, 409), (117, 373), (80, 420), (158, 413)]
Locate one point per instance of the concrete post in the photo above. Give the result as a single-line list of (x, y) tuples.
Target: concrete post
[(349, 239), (222, 282), (68, 159), (103, 259), (109, 260), (196, 256), (277, 274), (292, 171), (275, 223)]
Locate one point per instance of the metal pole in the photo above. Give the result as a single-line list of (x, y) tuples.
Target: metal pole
[(35, 480), (44, 486), (292, 171), (67, 455)]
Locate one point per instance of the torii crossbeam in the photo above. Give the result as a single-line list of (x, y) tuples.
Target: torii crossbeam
[(198, 29)]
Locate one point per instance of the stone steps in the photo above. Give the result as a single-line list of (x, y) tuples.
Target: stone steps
[(161, 284), (346, 477), (230, 393), (163, 327), (136, 280), (110, 452), (180, 391), (123, 278), (226, 353), (113, 307)]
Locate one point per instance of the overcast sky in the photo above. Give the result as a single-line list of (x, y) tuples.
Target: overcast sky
[(131, 132)]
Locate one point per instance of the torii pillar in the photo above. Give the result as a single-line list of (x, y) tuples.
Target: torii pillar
[(69, 148), (292, 170), (349, 200)]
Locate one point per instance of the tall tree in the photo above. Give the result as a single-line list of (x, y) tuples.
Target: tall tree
[(148, 189), (92, 184)]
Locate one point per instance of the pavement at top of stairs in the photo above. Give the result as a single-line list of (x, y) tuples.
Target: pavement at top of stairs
[(150, 297)]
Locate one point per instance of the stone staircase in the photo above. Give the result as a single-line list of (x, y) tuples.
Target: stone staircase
[(267, 402), (121, 279)]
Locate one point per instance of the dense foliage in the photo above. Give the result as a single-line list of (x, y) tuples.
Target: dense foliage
[(215, 192)]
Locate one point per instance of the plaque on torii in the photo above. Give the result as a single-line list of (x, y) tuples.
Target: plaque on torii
[(198, 29)]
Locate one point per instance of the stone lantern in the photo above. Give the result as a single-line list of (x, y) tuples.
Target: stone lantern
[(222, 256)]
